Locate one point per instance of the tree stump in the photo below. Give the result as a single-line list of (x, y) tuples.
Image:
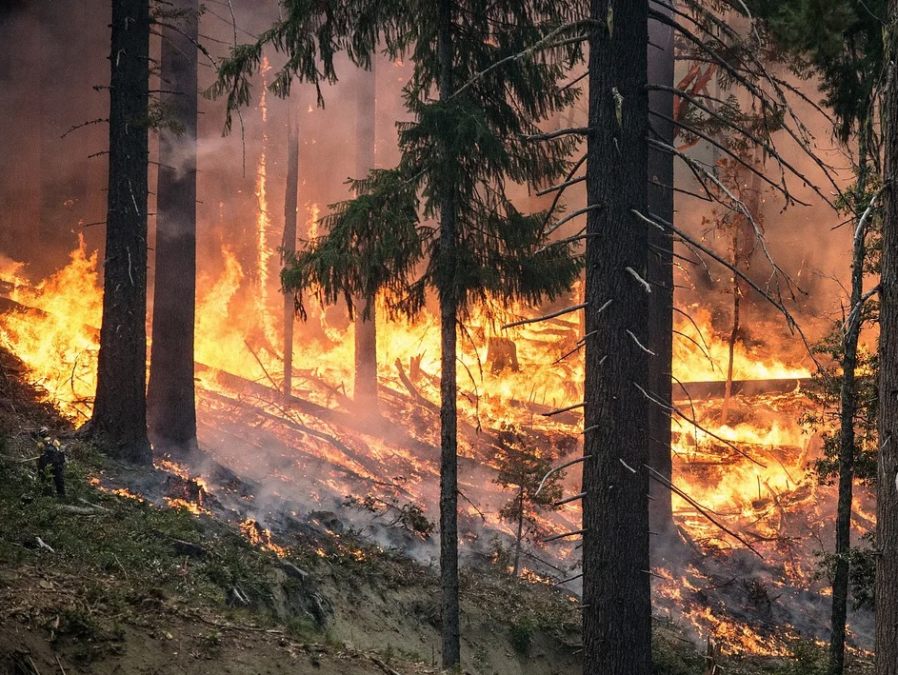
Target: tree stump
[(501, 355)]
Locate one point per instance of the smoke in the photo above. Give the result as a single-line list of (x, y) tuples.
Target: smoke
[(293, 472), (802, 239)]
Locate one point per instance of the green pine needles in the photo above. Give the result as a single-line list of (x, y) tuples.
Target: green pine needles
[(509, 60)]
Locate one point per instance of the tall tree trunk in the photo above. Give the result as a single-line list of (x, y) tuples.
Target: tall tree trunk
[(119, 416), (616, 588), (744, 242), (886, 645), (448, 404), (291, 204), (520, 535), (847, 415), (171, 402), (734, 333), (660, 271), (365, 387)]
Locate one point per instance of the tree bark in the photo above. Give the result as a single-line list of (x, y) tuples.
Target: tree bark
[(886, 587), (520, 534), (171, 403), (365, 386), (119, 416), (291, 204), (660, 272), (616, 586), (847, 415), (448, 391)]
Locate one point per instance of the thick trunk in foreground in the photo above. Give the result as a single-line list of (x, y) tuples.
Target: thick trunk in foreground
[(171, 402), (365, 387), (847, 414), (617, 617), (291, 203), (448, 404), (660, 272), (119, 416), (886, 645)]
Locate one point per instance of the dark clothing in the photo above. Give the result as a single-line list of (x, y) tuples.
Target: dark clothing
[(51, 466)]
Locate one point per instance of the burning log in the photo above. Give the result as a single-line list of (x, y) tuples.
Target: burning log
[(407, 383), (717, 389)]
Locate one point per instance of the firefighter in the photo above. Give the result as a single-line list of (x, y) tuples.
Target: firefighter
[(51, 463)]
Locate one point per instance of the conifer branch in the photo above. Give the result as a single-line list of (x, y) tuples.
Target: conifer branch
[(564, 535), (570, 499), (544, 43)]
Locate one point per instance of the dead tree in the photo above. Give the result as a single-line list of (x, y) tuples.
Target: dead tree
[(288, 246)]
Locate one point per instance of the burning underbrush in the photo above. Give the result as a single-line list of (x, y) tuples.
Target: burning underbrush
[(750, 518)]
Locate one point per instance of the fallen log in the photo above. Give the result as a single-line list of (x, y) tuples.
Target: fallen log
[(416, 395), (683, 391)]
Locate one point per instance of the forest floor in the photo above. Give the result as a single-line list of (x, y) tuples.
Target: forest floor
[(105, 582)]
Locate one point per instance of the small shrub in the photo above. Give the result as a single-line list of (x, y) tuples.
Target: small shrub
[(521, 635), (807, 659), (301, 628), (77, 623)]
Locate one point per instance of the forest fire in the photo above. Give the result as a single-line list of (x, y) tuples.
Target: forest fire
[(749, 474), (477, 300)]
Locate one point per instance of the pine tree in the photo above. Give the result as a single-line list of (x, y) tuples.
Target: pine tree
[(842, 41), (171, 405), (494, 70), (886, 644), (365, 384), (119, 415), (525, 469), (617, 616)]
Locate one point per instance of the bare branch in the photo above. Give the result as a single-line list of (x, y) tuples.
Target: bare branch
[(560, 312), (556, 469), (549, 135), (673, 488), (564, 410), (570, 217), (563, 535), (560, 186)]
